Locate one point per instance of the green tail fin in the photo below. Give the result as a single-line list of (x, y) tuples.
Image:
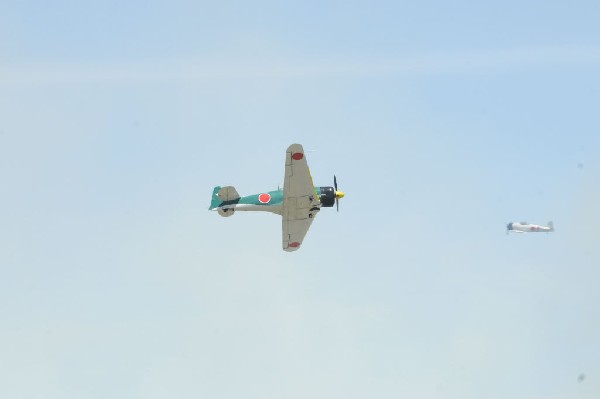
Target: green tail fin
[(215, 201)]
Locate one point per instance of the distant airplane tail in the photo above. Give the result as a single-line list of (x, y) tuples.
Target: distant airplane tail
[(551, 225)]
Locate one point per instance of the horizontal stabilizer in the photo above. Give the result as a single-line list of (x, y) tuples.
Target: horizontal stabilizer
[(228, 193), (221, 195)]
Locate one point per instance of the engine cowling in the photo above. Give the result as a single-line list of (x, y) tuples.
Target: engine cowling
[(327, 196), (226, 212)]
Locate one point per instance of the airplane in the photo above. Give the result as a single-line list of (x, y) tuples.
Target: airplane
[(524, 227), (298, 203)]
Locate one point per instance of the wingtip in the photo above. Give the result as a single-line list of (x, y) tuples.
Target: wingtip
[(291, 246), (295, 148)]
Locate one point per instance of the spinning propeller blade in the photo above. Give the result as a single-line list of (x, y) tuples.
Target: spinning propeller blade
[(338, 194)]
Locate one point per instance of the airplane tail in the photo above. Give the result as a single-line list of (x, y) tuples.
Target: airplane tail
[(551, 225), (221, 195)]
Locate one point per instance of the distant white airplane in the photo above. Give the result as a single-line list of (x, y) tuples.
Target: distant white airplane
[(524, 227)]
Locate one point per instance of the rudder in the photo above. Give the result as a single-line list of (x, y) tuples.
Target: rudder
[(215, 201)]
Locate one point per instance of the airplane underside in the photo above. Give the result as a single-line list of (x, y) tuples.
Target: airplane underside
[(228, 210)]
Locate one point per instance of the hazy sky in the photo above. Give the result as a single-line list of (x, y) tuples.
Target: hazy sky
[(443, 121)]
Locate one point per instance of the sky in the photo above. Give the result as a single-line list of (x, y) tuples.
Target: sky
[(443, 121)]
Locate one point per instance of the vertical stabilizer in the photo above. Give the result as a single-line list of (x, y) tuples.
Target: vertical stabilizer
[(215, 201), (551, 225)]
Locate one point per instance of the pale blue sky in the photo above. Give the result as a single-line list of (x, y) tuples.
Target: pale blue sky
[(442, 120)]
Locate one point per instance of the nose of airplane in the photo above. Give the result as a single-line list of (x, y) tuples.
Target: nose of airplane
[(509, 226), (339, 194)]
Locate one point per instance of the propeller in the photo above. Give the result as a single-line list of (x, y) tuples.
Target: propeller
[(337, 202), (338, 194)]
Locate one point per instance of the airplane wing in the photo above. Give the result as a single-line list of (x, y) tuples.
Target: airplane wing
[(300, 200)]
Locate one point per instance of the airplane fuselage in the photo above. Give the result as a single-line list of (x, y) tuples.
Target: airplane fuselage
[(270, 201)]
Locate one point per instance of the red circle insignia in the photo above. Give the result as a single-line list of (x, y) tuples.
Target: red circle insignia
[(294, 244), (297, 156), (264, 198)]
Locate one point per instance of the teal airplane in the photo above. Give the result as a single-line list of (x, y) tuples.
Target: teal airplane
[(298, 203)]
